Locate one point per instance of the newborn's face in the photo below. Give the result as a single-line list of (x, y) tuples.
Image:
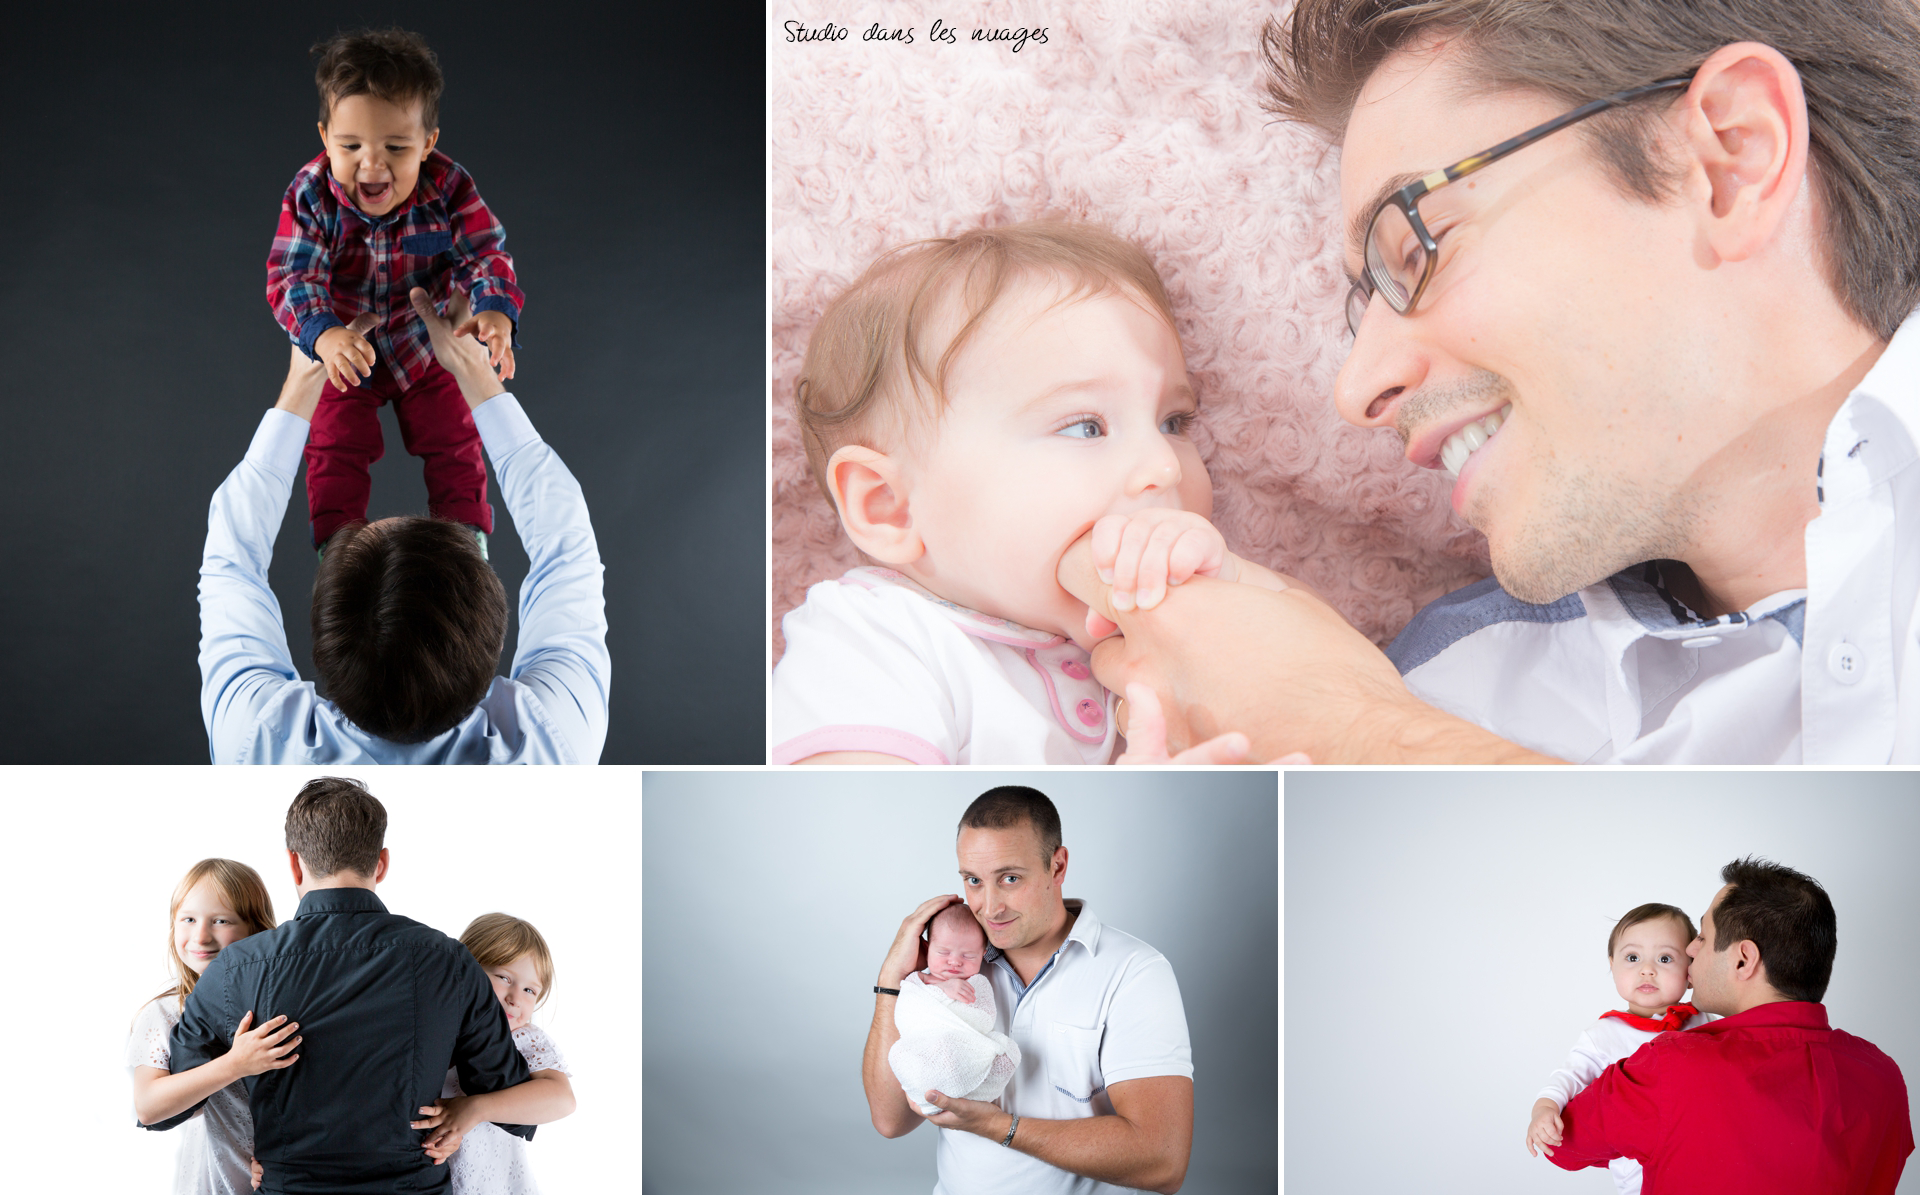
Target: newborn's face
[(955, 955)]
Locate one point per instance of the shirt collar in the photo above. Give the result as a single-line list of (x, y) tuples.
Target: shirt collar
[(1872, 436), (340, 900), (1085, 930), (1781, 1014), (973, 622), (1645, 599)]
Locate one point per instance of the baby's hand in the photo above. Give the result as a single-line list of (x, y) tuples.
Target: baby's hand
[(1142, 553), (1544, 1132), (959, 989), (495, 330), (347, 356), (256, 1051)]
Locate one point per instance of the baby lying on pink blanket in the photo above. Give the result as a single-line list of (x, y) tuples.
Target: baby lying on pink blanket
[(973, 407), (946, 1015)]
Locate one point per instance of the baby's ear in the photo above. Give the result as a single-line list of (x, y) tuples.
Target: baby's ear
[(871, 496)]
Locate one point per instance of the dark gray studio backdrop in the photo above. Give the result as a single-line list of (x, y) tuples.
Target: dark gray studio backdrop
[(751, 1056), (622, 147), (1469, 914)]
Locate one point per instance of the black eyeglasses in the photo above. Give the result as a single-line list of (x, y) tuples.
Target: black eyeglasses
[(1400, 252)]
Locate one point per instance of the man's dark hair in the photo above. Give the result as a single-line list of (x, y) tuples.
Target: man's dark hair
[(1859, 65), (388, 64), (408, 622), (1788, 916), (1012, 805), (336, 825), (1649, 912)]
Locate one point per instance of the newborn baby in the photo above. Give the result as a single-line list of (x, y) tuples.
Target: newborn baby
[(946, 1015)]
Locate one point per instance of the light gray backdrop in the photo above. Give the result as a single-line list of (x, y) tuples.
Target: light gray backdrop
[(1447, 938), (751, 1056)]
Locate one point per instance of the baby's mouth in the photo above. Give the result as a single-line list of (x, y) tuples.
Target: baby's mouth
[(376, 193)]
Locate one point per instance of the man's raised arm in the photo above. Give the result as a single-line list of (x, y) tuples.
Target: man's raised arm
[(887, 1103), (561, 651)]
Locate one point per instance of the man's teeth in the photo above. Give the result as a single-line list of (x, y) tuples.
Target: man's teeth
[(1463, 443)]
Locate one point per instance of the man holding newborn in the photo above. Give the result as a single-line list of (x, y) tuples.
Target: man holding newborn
[(1101, 1097)]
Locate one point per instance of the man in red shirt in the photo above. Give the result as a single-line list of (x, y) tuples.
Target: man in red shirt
[(1769, 1098)]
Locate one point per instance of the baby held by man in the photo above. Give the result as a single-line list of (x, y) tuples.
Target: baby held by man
[(974, 406)]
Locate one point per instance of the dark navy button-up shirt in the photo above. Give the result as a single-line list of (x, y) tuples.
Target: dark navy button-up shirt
[(385, 1005)]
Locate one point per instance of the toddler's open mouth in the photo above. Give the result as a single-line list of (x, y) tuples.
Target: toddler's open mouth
[(375, 194)]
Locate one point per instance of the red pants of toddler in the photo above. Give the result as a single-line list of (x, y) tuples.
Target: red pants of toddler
[(435, 425)]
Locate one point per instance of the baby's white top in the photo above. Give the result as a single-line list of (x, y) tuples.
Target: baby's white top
[(215, 1148), (1599, 1046), (492, 1161), (874, 662)]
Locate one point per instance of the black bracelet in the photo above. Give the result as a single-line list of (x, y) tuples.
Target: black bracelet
[(886, 991)]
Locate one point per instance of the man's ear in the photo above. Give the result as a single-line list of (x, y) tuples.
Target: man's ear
[(293, 863), (1745, 124), (1057, 868), (380, 868), (1748, 965), (871, 494)]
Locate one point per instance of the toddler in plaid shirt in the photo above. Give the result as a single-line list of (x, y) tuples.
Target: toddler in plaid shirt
[(378, 213)]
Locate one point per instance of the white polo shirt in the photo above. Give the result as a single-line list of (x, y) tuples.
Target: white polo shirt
[(1623, 672), (1103, 1010)]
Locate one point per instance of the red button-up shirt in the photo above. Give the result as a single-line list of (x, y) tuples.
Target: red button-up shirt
[(1767, 1100)]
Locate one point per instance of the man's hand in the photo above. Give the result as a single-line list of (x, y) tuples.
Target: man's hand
[(1544, 1132), (969, 1116), (346, 354), (300, 393), (909, 952), (461, 356), (1146, 731), (450, 1122), (256, 1051), (495, 330)]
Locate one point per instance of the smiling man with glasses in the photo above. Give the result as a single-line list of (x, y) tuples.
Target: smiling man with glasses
[(1660, 355)]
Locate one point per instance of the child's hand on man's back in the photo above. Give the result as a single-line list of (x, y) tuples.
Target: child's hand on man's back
[(495, 330), (347, 356)]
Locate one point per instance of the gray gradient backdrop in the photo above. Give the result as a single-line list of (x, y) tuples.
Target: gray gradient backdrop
[(1458, 924), (751, 1056)]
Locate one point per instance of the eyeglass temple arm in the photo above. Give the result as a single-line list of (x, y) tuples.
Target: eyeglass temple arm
[(1466, 166)]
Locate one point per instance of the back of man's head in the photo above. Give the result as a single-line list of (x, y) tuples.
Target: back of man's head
[(408, 623), (1788, 916), (1013, 805), (336, 825)]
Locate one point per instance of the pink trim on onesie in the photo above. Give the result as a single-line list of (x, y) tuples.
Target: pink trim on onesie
[(881, 739)]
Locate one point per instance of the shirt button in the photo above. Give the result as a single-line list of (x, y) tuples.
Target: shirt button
[(1846, 663), (1075, 669), (1090, 712), (1702, 641)]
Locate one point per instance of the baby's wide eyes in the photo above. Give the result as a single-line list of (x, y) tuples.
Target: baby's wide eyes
[(1178, 424), (1083, 429), (1666, 958)]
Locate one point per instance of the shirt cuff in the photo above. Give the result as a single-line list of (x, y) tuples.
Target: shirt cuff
[(504, 427), (279, 442), (312, 327)]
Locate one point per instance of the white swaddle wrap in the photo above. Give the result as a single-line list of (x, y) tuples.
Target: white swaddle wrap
[(948, 1046)]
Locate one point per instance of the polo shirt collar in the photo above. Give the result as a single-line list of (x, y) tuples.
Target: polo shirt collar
[(1086, 931), (1781, 1014), (340, 900)]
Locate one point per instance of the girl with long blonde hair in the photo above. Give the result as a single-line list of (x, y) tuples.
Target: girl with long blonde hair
[(216, 904)]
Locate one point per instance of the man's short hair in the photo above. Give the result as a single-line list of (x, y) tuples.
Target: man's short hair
[(867, 380), (336, 825), (1788, 916), (408, 623), (1649, 912), (1859, 64), (388, 64), (1012, 805)]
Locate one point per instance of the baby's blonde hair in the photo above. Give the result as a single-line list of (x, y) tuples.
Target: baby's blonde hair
[(245, 891), (496, 939), (865, 359)]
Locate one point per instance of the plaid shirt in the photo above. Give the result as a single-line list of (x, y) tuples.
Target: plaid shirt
[(331, 263)]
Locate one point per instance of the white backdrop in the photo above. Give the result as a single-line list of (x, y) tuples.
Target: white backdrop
[(94, 854), (1446, 940)]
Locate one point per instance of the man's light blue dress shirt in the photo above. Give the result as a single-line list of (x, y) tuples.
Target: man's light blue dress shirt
[(552, 710)]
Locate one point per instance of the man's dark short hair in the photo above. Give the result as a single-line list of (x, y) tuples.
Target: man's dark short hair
[(336, 825), (388, 64), (1011, 805), (1788, 916), (408, 623), (1649, 912), (1859, 65)]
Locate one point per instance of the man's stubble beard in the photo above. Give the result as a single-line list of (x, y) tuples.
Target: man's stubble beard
[(1590, 525)]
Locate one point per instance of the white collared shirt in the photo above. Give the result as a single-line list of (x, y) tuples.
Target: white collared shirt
[(1103, 1010), (1623, 672), (874, 662)]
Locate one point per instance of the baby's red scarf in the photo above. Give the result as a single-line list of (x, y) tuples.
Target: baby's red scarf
[(1677, 1016)]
